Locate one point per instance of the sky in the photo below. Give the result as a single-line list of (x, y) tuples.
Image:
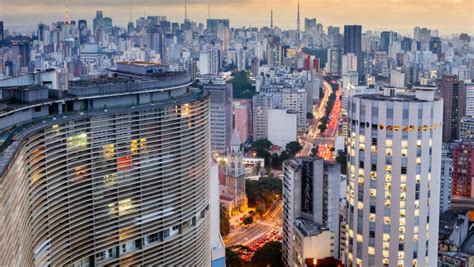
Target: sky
[(448, 16)]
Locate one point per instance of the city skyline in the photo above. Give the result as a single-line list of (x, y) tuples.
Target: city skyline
[(448, 16)]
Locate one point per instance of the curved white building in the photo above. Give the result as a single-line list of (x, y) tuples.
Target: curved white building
[(393, 181), (113, 172)]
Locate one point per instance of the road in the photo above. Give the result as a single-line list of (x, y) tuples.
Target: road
[(311, 139), (247, 235)]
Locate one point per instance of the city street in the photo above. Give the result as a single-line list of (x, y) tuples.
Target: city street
[(312, 138), (247, 235)]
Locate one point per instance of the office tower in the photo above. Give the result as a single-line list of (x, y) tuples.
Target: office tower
[(310, 210), (115, 173), (2, 32), (22, 50), (213, 25), (349, 63), (435, 45), (333, 64), (309, 24), (353, 39), (446, 179), (406, 44), (452, 90), (221, 111), (393, 178), (386, 40), (209, 62), (463, 172), (334, 36), (98, 20), (242, 110)]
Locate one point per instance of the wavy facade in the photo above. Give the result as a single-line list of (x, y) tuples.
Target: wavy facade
[(124, 186)]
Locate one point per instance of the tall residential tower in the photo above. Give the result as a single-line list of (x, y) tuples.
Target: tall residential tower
[(393, 178)]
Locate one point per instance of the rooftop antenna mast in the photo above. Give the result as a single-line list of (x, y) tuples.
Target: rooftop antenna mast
[(67, 20), (185, 10), (130, 10), (298, 22), (209, 9)]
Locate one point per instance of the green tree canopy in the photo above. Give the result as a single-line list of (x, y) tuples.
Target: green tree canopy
[(224, 221), (269, 255), (262, 144), (293, 148)]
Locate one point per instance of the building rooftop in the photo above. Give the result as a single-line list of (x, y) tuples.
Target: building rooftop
[(309, 228)]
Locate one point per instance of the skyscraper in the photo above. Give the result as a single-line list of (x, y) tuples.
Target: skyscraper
[(353, 39), (117, 173), (213, 25), (393, 178), (463, 171), (310, 210), (452, 90), (2, 32), (221, 111)]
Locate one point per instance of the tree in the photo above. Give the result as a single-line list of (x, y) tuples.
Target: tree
[(342, 160), (262, 144), (276, 161), (309, 116), (293, 148), (248, 220), (224, 221), (232, 258), (269, 255), (242, 88), (263, 192), (261, 153)]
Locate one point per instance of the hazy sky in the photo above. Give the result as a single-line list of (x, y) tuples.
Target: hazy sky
[(449, 16)]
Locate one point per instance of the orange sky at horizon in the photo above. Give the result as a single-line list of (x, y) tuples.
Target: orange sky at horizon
[(449, 16)]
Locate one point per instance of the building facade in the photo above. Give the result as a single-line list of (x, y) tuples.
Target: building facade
[(117, 173), (452, 90), (310, 210), (221, 111), (393, 178)]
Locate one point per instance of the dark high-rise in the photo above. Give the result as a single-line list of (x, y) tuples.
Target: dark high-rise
[(452, 90), (353, 39), (213, 25), (2, 34)]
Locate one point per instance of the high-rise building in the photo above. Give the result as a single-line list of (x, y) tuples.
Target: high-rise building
[(310, 210), (333, 65), (221, 111), (386, 40), (114, 173), (209, 62), (452, 90), (261, 104), (213, 25), (467, 129), (446, 179), (349, 63), (2, 32), (393, 178), (310, 24), (242, 119), (353, 39), (469, 98), (463, 171)]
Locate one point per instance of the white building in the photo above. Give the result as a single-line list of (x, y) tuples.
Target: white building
[(311, 202), (349, 63), (469, 98), (350, 79), (209, 62), (295, 100), (393, 178), (282, 127), (445, 181), (467, 128)]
